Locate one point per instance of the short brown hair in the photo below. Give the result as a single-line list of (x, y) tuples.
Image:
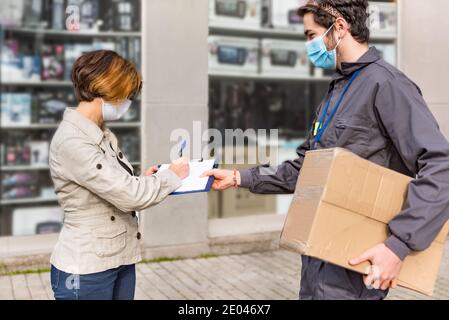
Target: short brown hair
[(355, 12), (105, 74)]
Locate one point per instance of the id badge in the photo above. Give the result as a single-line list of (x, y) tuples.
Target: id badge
[(316, 127)]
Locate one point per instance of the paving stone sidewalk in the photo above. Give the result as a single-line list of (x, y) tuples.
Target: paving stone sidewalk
[(266, 275)]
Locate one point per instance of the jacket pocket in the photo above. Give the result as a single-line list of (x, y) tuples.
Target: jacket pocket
[(109, 241), (354, 130)]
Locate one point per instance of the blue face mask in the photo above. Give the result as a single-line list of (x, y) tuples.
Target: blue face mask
[(318, 53)]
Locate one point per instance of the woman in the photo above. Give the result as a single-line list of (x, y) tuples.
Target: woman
[(99, 244)]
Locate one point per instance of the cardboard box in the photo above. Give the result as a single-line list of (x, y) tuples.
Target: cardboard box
[(341, 207)]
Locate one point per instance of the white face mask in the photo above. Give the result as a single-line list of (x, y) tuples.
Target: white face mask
[(114, 112)]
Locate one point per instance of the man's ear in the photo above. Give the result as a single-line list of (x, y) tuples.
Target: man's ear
[(341, 27)]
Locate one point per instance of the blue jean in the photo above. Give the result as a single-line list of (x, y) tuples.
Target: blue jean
[(113, 284)]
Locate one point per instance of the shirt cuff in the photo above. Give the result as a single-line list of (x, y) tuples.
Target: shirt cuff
[(398, 247), (246, 178)]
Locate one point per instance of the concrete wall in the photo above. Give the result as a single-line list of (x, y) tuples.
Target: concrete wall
[(424, 52), (175, 72)]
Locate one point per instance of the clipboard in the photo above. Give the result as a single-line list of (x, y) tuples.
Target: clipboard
[(194, 184)]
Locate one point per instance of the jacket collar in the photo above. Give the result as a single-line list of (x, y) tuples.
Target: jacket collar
[(89, 128), (347, 68)]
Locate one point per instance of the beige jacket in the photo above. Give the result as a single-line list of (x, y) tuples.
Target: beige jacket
[(99, 196)]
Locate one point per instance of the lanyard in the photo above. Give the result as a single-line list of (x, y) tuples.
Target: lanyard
[(322, 126)]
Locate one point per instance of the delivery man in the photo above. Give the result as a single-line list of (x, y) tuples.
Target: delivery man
[(375, 111)]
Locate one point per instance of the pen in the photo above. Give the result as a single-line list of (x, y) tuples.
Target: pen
[(183, 146)]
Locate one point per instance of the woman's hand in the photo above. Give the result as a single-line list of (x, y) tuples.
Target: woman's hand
[(180, 167), (224, 179), (151, 171)]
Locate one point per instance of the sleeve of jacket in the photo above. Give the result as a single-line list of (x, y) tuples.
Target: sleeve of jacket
[(276, 180), (425, 151), (85, 164)]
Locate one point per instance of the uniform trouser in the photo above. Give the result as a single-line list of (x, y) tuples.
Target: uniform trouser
[(324, 281)]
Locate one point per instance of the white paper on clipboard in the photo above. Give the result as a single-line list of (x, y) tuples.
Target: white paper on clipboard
[(194, 182)]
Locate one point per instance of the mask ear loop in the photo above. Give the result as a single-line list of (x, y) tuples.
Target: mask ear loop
[(339, 40), (327, 31)]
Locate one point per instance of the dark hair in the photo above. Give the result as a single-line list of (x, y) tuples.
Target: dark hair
[(105, 74), (355, 12)]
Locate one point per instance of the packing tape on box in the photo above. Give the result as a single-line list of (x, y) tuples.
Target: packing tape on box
[(325, 157), (295, 246), (309, 192)]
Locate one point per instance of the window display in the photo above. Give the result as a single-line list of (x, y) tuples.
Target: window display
[(49, 106), (26, 221), (12, 12), (388, 52), (39, 43), (39, 152), (53, 62), (383, 19), (238, 13), (282, 14), (280, 90), (17, 63), (120, 15), (285, 57), (229, 54), (73, 15), (16, 109)]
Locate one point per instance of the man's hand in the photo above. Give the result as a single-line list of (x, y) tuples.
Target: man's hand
[(152, 170), (385, 267), (224, 179)]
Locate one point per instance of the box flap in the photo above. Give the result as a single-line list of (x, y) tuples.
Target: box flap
[(366, 188), (303, 207), (315, 168)]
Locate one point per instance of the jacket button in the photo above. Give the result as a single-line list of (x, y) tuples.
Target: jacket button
[(120, 155), (133, 214), (112, 218), (99, 166), (139, 236)]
